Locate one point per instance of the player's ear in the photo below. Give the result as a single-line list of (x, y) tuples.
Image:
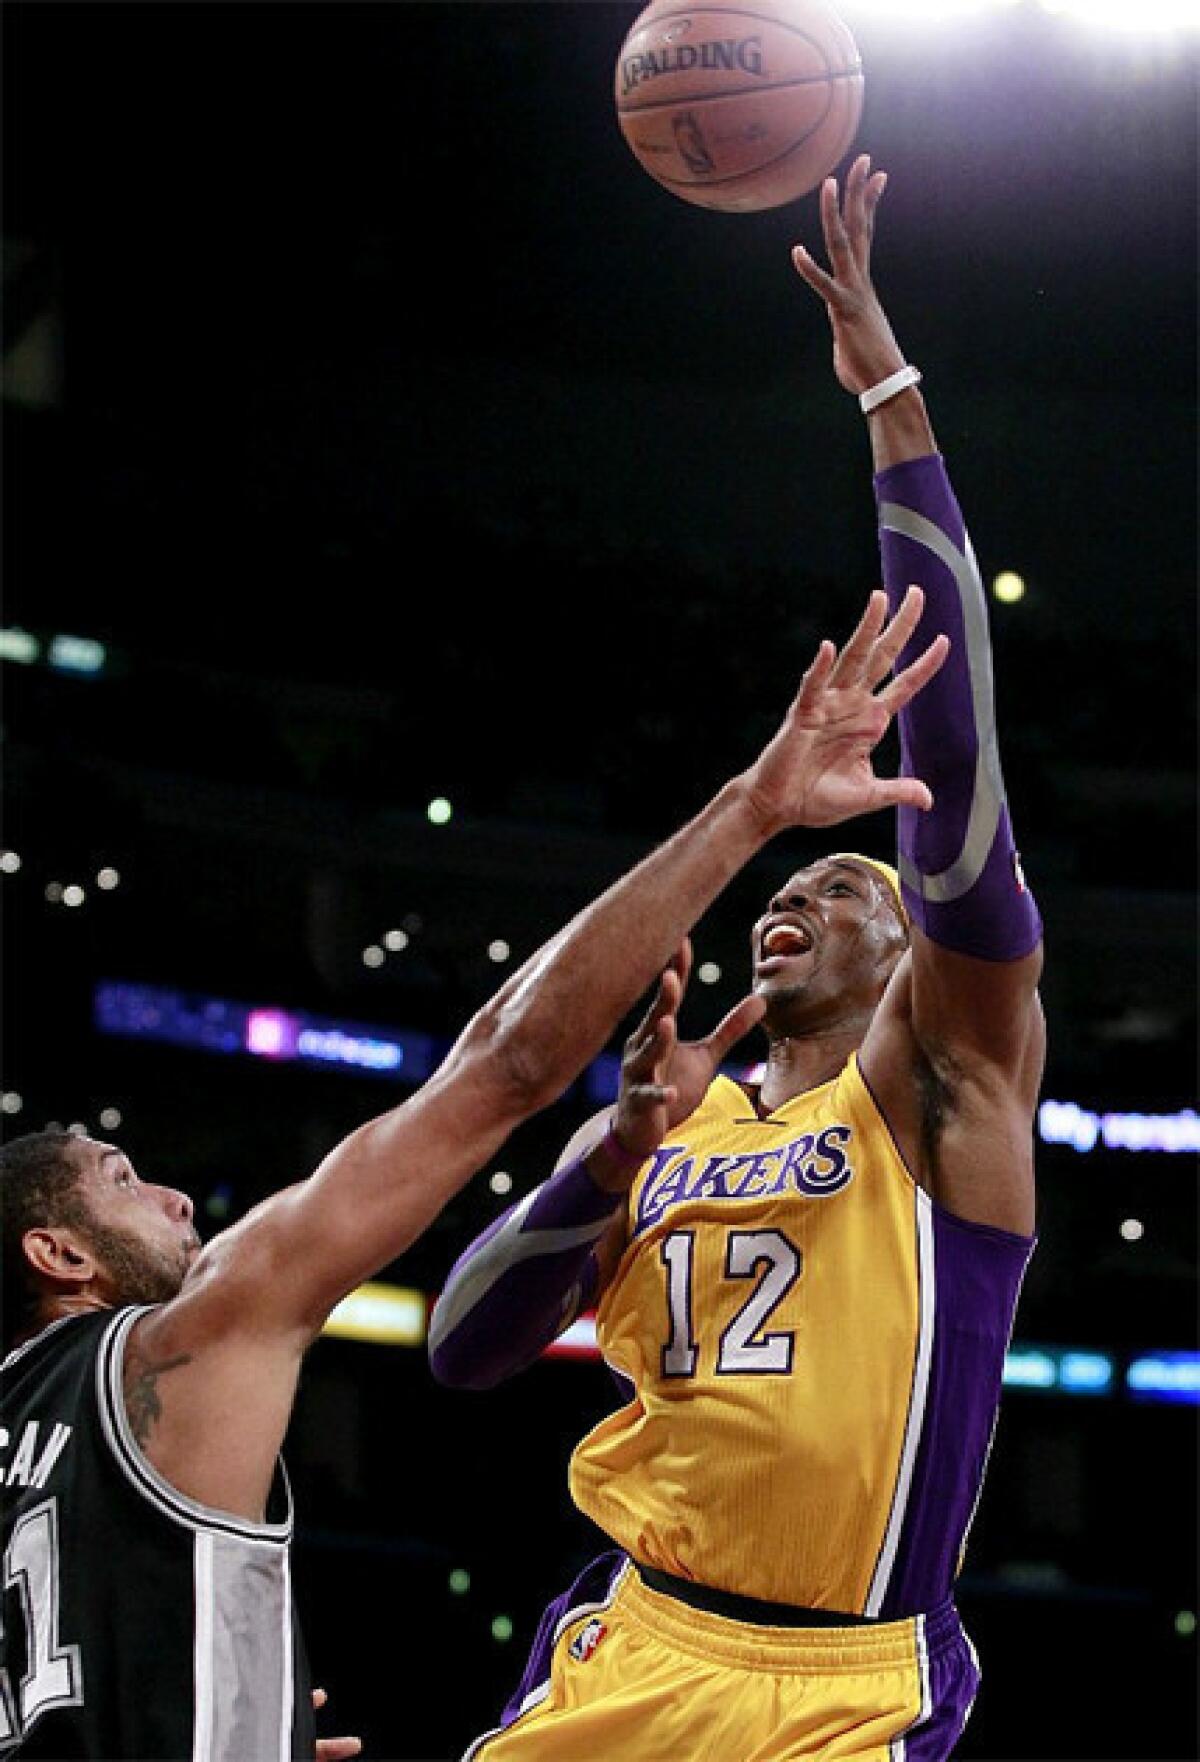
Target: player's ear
[(58, 1253)]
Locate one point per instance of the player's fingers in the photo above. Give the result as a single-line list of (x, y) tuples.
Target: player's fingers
[(854, 662), (876, 185), (681, 964), (648, 1046), (810, 271), (816, 677), (319, 1698), (643, 1097), (917, 674), (662, 1007), (736, 1023), (895, 634), (837, 241), (338, 1749), (903, 792), (854, 206), (666, 997)]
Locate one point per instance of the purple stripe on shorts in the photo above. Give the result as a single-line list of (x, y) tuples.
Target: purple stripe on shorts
[(977, 1282), (592, 1589), (952, 1679)]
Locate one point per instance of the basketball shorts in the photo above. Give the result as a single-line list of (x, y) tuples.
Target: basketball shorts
[(621, 1673)]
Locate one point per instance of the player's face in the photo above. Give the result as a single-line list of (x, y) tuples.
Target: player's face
[(140, 1233), (826, 945)]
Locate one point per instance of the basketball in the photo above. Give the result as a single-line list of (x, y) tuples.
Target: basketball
[(739, 104)]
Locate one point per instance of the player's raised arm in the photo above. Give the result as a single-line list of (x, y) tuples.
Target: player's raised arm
[(525, 1278), (968, 995), (233, 1338)]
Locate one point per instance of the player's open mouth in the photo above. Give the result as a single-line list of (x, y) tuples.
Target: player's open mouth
[(784, 942)]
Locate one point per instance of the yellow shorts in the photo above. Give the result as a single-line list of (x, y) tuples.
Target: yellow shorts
[(621, 1673)]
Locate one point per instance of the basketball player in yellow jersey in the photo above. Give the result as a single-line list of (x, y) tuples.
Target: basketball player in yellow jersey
[(806, 1287)]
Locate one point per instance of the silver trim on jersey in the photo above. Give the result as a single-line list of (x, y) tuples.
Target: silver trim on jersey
[(509, 1247), (987, 797), (243, 1660)]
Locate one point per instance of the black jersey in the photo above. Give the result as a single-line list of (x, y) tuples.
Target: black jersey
[(139, 1626)]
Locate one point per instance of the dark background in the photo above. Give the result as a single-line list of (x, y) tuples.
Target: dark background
[(400, 438)]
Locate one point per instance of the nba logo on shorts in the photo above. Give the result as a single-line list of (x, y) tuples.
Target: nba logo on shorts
[(586, 1640)]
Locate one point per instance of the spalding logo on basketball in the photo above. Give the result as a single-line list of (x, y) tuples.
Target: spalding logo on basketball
[(740, 105)]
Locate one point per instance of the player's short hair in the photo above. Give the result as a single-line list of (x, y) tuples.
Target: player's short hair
[(39, 1184)]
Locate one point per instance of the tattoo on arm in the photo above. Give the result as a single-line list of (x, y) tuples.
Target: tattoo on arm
[(142, 1402)]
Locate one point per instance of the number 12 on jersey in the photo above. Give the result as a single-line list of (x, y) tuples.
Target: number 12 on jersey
[(744, 1349)]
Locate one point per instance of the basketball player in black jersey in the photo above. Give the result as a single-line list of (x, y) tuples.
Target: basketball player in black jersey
[(146, 1521)]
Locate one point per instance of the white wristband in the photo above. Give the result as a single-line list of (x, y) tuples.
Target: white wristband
[(888, 388)]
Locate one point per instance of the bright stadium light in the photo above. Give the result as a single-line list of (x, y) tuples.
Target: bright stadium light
[(920, 11), (18, 645), (77, 654), (1151, 16), (1110, 15), (1008, 587)]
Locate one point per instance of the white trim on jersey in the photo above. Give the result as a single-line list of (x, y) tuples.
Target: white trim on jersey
[(926, 1320), (139, 1470), (537, 1695), (898, 1748), (287, 1674), (202, 1649)]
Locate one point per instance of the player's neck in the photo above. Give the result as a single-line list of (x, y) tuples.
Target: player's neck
[(804, 1061), (63, 1304)]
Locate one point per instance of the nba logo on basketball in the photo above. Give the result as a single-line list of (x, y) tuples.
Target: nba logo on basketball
[(586, 1641)]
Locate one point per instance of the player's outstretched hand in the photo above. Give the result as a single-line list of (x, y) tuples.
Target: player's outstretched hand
[(818, 771), (865, 350), (333, 1749), (663, 1078)]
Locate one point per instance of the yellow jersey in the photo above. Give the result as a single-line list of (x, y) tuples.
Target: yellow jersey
[(813, 1352)]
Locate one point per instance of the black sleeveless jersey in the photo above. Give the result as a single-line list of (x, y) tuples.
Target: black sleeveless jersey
[(138, 1625)]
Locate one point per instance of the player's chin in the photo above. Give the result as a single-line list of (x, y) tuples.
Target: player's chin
[(778, 975), (781, 993)]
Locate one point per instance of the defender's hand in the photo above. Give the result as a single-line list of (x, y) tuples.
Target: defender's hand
[(333, 1749), (817, 771)]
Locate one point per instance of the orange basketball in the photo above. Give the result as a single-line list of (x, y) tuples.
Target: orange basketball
[(739, 104)]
